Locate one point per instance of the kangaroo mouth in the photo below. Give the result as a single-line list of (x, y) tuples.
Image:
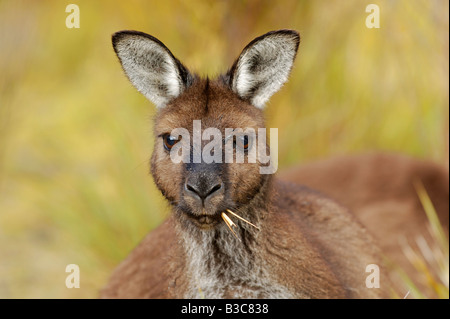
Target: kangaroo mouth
[(204, 221)]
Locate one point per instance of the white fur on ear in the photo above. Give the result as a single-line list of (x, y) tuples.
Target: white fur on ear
[(264, 66), (150, 66)]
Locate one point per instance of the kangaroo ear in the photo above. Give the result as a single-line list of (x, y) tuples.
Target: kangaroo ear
[(264, 66), (151, 67)]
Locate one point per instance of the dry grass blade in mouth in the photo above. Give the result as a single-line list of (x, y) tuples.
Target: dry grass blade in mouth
[(243, 219), (229, 223)]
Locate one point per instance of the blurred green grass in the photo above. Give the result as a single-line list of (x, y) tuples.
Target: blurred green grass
[(75, 136)]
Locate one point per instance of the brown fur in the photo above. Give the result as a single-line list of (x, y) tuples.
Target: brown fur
[(311, 245)]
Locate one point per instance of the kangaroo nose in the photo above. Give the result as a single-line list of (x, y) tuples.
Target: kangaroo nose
[(204, 189)]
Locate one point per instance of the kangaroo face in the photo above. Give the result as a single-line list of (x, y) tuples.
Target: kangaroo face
[(203, 190), (216, 118)]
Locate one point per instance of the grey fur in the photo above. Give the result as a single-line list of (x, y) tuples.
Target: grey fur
[(264, 66), (231, 272), (150, 66)]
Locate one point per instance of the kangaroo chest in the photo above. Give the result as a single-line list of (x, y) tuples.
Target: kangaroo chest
[(219, 266)]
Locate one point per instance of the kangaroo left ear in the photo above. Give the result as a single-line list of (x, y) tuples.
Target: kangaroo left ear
[(264, 66), (151, 67)]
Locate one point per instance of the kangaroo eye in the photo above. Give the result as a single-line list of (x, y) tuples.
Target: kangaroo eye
[(169, 141), (244, 142)]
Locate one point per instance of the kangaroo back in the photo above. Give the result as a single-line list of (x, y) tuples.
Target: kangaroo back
[(379, 189)]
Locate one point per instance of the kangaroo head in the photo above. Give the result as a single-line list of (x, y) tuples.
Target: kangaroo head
[(201, 124)]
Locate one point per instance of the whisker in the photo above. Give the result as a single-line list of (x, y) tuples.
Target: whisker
[(229, 223), (243, 219)]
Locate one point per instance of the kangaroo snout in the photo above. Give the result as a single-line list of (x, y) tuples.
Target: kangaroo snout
[(203, 193), (203, 187)]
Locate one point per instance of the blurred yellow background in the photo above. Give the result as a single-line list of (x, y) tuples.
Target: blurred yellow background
[(75, 136)]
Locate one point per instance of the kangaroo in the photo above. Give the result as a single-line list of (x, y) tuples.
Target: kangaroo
[(234, 232)]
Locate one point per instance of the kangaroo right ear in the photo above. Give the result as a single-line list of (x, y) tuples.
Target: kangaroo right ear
[(150, 66)]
